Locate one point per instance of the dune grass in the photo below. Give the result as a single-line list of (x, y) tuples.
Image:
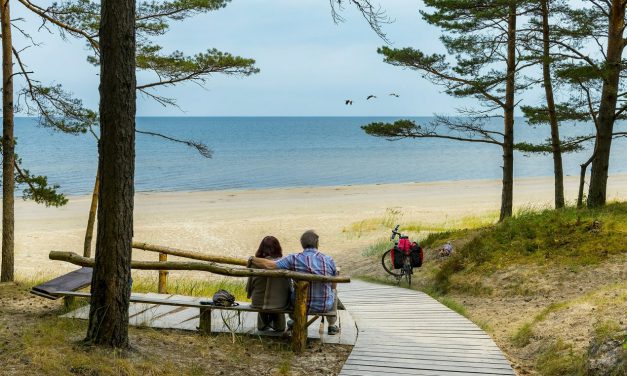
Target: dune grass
[(193, 286), (570, 237)]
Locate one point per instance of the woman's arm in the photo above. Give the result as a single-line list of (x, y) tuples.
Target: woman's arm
[(262, 262)]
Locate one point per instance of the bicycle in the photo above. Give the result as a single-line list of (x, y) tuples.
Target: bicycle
[(404, 267)]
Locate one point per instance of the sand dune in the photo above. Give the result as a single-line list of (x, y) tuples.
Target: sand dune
[(233, 222)]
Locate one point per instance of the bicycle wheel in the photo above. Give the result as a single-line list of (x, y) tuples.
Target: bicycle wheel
[(407, 269), (408, 274), (386, 262)]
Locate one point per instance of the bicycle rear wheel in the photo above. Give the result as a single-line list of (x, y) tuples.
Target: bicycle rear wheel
[(408, 274), (386, 262)]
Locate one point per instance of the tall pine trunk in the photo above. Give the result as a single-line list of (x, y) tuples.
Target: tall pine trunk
[(558, 170), (507, 196), (8, 149), (110, 288), (607, 109)]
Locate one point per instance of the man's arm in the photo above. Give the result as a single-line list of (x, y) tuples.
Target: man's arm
[(262, 262)]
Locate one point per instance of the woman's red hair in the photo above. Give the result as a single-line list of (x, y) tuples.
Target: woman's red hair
[(269, 246)]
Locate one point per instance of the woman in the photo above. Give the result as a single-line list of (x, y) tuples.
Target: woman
[(269, 293)]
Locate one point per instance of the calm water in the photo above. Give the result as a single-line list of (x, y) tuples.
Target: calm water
[(263, 152)]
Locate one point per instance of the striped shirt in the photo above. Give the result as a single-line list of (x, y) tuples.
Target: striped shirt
[(312, 261)]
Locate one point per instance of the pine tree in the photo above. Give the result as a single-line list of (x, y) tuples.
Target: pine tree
[(482, 63), (56, 109)]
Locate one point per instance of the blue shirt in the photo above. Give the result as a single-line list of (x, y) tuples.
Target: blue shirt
[(312, 261)]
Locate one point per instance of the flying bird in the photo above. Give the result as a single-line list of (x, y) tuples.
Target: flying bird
[(394, 95), (348, 102), (370, 97)]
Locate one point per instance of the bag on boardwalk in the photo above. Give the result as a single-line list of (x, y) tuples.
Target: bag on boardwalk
[(397, 258), (416, 255)]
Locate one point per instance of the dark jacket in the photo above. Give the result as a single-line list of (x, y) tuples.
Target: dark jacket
[(268, 293)]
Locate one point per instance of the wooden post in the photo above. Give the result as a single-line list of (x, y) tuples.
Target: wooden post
[(299, 330), (163, 275), (68, 302), (205, 320)]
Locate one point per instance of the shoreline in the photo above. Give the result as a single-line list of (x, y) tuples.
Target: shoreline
[(231, 222), (299, 187)]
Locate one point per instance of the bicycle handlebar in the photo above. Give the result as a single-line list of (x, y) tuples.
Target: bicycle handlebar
[(395, 232)]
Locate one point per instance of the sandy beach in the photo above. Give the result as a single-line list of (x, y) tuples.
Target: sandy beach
[(232, 222)]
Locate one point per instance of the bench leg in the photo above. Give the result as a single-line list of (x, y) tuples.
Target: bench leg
[(299, 331), (68, 302), (205, 320)]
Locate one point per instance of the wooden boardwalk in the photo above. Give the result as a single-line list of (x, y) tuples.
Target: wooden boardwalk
[(406, 332)]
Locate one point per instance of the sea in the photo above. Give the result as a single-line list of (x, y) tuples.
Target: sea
[(275, 152)]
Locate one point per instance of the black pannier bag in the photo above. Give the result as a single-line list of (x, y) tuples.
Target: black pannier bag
[(397, 258), (416, 255)]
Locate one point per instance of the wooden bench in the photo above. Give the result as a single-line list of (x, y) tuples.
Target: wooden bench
[(70, 282), (216, 265), (204, 309)]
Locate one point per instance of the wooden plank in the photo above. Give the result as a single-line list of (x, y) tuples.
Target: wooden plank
[(424, 362), (364, 370), (434, 367), (429, 354), (383, 347)]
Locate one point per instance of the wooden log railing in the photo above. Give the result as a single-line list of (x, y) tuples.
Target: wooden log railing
[(211, 267), (302, 280), (189, 254)]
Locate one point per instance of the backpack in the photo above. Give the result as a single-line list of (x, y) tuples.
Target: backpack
[(223, 298), (416, 255)]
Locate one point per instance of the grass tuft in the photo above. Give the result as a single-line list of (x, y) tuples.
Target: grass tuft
[(378, 248), (523, 335), (559, 359)]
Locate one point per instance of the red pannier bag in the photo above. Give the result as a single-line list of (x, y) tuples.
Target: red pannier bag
[(416, 255)]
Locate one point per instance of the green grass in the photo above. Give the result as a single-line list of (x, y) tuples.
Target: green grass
[(570, 237), (606, 330), (193, 286), (523, 335), (378, 248), (394, 216), (453, 305), (559, 359)]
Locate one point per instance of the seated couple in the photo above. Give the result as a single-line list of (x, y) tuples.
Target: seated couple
[(276, 293)]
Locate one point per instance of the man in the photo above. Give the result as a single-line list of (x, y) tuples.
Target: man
[(322, 295)]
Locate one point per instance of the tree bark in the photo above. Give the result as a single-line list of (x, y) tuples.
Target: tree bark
[(558, 170), (582, 181), (91, 220), (111, 287), (607, 109), (507, 196), (8, 149)]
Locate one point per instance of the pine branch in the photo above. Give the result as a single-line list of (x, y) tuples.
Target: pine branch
[(38, 189), (199, 146), (56, 108), (409, 129), (44, 14), (176, 67)]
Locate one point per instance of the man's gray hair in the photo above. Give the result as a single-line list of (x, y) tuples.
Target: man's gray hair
[(309, 239)]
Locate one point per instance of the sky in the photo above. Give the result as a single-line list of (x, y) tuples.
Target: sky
[(309, 65)]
